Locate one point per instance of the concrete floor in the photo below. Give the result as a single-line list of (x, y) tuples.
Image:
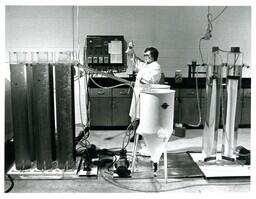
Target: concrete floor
[(191, 142)]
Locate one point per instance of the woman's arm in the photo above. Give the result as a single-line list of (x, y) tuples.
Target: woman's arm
[(136, 61)]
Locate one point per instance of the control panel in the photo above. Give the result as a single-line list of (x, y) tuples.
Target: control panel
[(104, 51)]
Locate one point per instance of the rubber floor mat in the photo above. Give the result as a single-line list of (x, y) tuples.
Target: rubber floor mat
[(180, 165)]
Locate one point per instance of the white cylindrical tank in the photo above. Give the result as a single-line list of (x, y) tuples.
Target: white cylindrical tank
[(156, 119), (159, 86)]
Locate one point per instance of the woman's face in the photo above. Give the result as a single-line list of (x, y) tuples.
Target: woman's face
[(147, 57)]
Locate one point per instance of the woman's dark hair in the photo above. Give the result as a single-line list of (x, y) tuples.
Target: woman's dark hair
[(153, 52)]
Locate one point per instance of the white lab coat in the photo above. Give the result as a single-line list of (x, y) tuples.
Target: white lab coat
[(149, 72)]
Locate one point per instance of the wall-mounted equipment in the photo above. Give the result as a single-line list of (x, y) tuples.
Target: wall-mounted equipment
[(104, 52)]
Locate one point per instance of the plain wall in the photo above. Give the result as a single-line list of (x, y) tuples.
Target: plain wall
[(174, 30)]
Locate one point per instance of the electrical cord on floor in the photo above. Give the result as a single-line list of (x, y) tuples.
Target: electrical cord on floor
[(160, 186), (111, 137), (80, 150), (12, 184), (114, 136), (118, 184), (128, 133), (84, 134), (111, 165)]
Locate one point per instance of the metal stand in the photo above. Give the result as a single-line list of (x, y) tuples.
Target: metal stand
[(136, 139)]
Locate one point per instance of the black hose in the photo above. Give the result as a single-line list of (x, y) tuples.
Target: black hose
[(12, 184)]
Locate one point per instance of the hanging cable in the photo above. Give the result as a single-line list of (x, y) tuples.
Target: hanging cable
[(219, 14), (11, 186), (200, 51), (110, 87), (207, 36), (209, 28), (79, 96), (198, 103), (87, 98)]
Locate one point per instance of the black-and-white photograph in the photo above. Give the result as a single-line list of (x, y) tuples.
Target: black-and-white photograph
[(133, 98)]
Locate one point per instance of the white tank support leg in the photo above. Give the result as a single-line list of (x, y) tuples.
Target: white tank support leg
[(136, 139), (165, 161)]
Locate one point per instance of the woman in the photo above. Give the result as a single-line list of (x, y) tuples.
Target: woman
[(148, 72)]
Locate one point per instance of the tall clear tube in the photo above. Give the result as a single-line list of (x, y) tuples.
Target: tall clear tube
[(212, 109), (231, 101)]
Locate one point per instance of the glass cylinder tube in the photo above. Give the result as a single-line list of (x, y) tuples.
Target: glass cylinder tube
[(235, 63), (63, 57), (50, 57), (17, 57), (21, 57), (212, 109), (43, 57), (13, 58), (232, 105), (35, 57)]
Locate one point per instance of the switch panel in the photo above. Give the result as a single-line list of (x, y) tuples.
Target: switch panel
[(95, 60), (106, 60), (100, 60), (104, 51), (89, 60)]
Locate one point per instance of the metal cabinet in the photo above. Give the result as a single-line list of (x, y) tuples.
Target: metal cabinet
[(100, 107), (177, 101), (110, 108), (244, 105), (121, 100)]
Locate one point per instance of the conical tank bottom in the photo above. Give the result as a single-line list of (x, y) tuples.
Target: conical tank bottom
[(155, 145)]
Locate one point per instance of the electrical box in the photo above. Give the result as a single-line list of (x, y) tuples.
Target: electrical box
[(104, 52)]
